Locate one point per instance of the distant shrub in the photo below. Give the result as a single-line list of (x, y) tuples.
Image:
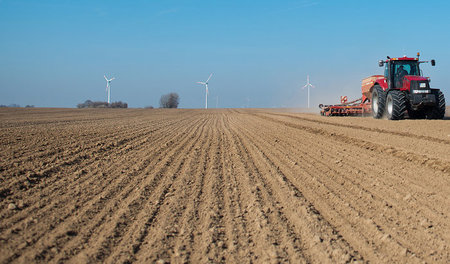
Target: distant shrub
[(99, 104), (119, 104), (29, 106), (86, 104), (149, 107), (170, 100)]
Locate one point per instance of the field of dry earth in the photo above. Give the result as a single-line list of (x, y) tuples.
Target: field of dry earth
[(235, 186)]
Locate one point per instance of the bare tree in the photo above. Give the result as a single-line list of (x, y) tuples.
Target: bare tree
[(170, 100)]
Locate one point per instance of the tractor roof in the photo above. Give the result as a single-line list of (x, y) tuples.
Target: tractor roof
[(403, 59)]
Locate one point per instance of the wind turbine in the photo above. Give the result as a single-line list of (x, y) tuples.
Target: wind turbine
[(308, 85), (206, 87), (108, 87)]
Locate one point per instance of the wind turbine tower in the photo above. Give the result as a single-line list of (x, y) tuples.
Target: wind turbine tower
[(108, 87), (308, 85), (206, 88)]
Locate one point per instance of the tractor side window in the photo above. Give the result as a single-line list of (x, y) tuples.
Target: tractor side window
[(399, 72), (386, 71)]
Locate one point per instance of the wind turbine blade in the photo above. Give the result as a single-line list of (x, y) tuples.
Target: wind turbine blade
[(201, 83), (304, 86), (112, 78), (105, 77), (209, 77)]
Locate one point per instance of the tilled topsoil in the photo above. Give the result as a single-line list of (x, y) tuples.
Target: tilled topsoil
[(235, 186)]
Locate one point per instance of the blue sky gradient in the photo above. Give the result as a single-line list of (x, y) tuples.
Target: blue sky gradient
[(55, 53)]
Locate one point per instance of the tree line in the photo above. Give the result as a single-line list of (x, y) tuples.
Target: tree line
[(99, 104), (16, 105), (170, 100)]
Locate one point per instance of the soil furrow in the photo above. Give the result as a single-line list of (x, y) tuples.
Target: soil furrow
[(99, 200), (432, 162), (369, 129), (312, 242), (221, 186), (285, 242), (386, 215), (170, 209), (77, 181), (149, 191)]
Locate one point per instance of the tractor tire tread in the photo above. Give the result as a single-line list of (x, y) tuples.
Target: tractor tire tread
[(377, 90), (399, 105), (438, 112)]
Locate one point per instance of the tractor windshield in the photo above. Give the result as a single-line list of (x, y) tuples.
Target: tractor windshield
[(407, 67), (404, 67)]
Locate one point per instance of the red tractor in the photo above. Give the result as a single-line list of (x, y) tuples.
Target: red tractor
[(402, 89)]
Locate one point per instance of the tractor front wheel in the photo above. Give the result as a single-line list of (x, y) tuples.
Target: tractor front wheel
[(395, 105), (378, 102)]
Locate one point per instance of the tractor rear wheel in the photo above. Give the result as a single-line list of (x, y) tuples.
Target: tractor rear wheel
[(438, 111), (395, 105), (378, 102)]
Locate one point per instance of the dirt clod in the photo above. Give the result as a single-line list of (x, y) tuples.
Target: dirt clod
[(12, 206)]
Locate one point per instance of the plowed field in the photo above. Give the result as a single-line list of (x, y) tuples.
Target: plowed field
[(235, 186)]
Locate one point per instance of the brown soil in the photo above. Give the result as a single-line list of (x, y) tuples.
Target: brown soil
[(234, 186)]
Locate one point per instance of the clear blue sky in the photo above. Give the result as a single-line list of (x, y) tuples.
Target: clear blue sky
[(55, 53)]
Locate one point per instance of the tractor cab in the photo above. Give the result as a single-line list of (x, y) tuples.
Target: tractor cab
[(397, 68), (400, 72)]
